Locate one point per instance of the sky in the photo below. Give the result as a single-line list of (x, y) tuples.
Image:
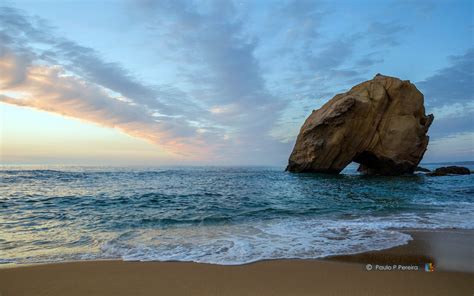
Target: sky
[(219, 82)]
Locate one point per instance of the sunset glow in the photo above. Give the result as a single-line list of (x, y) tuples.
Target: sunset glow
[(224, 83)]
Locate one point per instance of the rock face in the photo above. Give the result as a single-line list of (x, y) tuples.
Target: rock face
[(450, 170), (380, 124)]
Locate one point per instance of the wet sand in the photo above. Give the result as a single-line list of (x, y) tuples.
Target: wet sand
[(450, 251)]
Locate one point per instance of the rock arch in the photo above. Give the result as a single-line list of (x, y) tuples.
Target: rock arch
[(380, 124)]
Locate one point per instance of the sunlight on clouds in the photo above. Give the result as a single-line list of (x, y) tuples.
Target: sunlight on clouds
[(219, 82), (57, 138), (224, 109), (46, 88)]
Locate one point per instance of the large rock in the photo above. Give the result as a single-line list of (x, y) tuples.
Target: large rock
[(380, 124)]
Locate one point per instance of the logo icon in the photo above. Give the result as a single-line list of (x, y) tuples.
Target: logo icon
[(429, 267), (368, 267)]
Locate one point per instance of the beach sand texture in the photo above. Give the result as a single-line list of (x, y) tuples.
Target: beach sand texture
[(342, 275)]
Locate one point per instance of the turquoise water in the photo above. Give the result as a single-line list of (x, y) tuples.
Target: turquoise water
[(216, 215)]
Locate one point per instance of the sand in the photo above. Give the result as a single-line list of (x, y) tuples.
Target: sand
[(342, 275), (448, 250)]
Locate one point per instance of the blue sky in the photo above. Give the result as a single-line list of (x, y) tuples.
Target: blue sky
[(217, 82)]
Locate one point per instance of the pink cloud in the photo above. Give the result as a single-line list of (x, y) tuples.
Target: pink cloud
[(52, 89)]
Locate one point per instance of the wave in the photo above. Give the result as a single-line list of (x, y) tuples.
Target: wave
[(220, 216), (250, 241), (278, 239)]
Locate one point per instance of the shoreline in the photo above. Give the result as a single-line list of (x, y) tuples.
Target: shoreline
[(449, 250)]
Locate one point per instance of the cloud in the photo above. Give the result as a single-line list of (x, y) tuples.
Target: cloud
[(86, 63), (460, 147), (423, 8), (21, 33), (369, 60), (340, 60), (449, 94), (217, 63), (215, 48), (454, 83), (327, 66), (333, 55), (49, 88), (244, 78), (385, 33), (304, 18), (445, 127), (217, 59), (63, 77)]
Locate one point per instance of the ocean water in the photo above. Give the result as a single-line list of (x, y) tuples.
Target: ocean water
[(216, 215)]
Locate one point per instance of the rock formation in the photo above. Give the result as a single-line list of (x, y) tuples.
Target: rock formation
[(422, 169), (380, 124), (450, 170)]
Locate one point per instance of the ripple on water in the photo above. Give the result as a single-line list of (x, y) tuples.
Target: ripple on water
[(216, 215)]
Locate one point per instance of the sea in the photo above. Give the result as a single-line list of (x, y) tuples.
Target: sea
[(218, 215)]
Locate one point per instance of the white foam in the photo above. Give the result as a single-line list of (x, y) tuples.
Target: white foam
[(244, 243), (250, 241), (278, 239)]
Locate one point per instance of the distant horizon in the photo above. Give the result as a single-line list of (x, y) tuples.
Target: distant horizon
[(466, 162), (217, 83)]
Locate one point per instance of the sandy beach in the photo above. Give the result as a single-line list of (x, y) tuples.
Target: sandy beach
[(343, 275), (247, 148)]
